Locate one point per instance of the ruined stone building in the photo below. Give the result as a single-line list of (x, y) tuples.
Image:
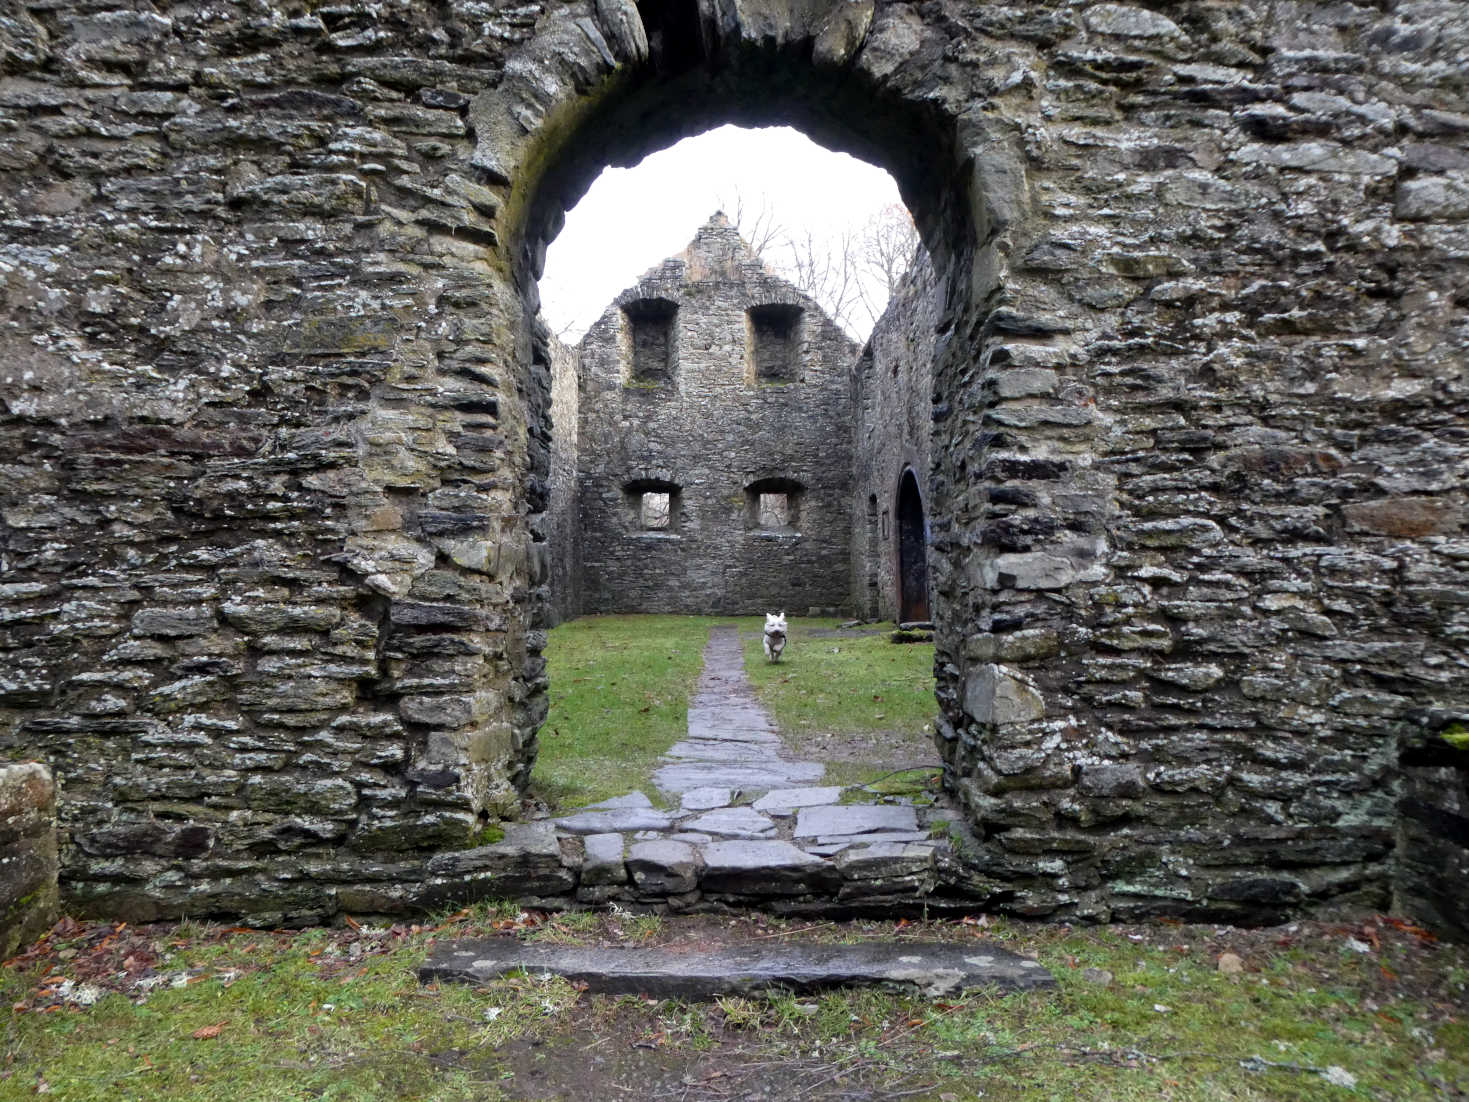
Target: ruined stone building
[(713, 450), (277, 444)]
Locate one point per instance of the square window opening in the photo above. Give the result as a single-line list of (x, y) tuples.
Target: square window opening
[(775, 511), (652, 352), (774, 335), (655, 510)]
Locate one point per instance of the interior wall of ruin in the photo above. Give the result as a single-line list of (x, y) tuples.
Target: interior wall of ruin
[(893, 410)]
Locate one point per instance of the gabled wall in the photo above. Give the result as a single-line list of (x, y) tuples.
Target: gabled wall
[(750, 391)]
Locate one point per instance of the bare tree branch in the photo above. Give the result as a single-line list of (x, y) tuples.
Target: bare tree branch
[(850, 275)]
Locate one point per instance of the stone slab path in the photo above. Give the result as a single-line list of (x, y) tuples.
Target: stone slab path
[(935, 969), (732, 743), (752, 827)]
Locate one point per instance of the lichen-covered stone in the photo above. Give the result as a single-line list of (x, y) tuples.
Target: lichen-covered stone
[(1193, 327)]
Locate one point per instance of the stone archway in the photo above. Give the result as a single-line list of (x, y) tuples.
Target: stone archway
[(912, 539), (276, 431), (586, 94)]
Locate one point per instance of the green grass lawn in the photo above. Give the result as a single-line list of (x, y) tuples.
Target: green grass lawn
[(835, 680), (849, 684), (620, 688), (1318, 1012)]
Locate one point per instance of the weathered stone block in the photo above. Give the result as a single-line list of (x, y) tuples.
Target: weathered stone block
[(1433, 198), (1126, 21), (763, 868), (393, 828), (602, 863), (300, 792), (663, 867), (997, 695), (173, 623), (28, 857), (1404, 517), (1114, 781), (1029, 570)]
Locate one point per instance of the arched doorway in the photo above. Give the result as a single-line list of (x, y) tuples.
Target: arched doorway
[(912, 551), (572, 105)]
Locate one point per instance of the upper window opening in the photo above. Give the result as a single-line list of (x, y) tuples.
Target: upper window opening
[(774, 343), (655, 510), (651, 352)]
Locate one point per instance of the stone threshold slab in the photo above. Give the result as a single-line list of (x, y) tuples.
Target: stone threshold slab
[(931, 968)]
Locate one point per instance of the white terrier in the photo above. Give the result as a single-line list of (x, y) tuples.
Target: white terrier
[(775, 635)]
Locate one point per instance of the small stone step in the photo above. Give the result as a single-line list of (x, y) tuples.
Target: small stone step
[(614, 820), (733, 822), (843, 819), (932, 968)]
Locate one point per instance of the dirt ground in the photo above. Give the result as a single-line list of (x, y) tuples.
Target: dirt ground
[(1305, 1010)]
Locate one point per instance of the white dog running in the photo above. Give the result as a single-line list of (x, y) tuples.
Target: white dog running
[(775, 635)]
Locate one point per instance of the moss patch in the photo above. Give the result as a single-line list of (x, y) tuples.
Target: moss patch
[(1456, 735)]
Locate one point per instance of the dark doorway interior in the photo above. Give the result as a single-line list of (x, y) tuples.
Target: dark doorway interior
[(912, 552)]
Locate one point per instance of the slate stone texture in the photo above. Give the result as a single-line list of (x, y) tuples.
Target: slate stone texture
[(731, 408), (276, 433), (934, 969)]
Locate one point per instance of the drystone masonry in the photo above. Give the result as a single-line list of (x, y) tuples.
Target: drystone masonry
[(276, 436), (563, 524), (712, 385), (893, 409)]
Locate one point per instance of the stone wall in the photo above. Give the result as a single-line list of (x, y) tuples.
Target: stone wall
[(276, 441), (268, 579), (563, 521), (1433, 826), (893, 403), (28, 867), (718, 420)]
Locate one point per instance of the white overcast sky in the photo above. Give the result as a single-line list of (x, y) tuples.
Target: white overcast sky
[(632, 218)]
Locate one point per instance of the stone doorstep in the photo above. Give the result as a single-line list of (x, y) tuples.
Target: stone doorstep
[(934, 969), (830, 822), (615, 820)]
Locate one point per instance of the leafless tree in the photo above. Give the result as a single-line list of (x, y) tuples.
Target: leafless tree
[(756, 222), (851, 275), (889, 245)]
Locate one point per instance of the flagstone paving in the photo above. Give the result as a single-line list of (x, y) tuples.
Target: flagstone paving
[(752, 827)]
